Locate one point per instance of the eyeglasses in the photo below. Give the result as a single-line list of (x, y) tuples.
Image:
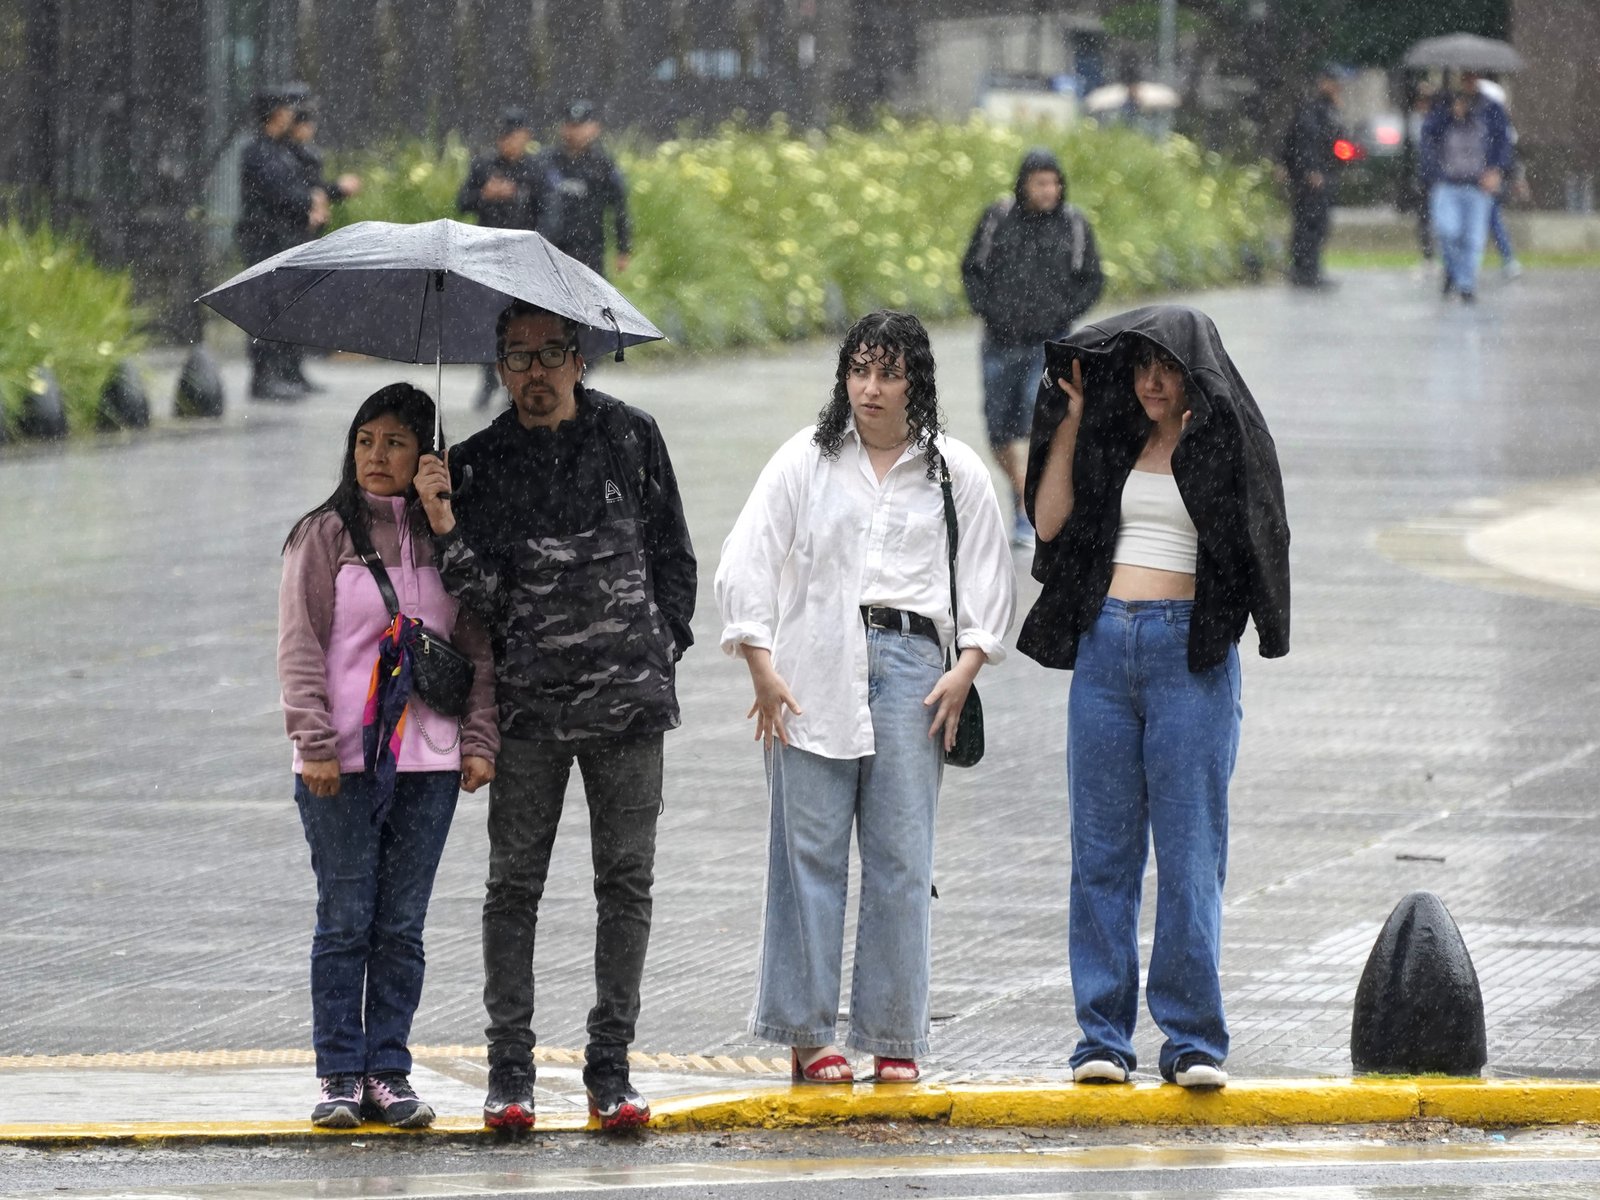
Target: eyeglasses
[(550, 357)]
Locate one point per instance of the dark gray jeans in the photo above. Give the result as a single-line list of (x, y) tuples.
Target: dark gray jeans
[(622, 780)]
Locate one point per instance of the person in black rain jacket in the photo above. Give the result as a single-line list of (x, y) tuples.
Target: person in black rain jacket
[(1154, 486), (1312, 171)]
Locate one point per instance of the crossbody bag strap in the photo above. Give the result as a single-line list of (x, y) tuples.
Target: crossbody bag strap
[(952, 531), (362, 541)]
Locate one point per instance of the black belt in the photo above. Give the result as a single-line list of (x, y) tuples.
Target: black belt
[(875, 616)]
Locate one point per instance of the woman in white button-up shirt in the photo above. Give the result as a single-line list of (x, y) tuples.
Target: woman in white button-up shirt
[(834, 587)]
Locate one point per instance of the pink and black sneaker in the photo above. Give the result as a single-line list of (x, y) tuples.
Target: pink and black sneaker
[(339, 1105), (388, 1097)]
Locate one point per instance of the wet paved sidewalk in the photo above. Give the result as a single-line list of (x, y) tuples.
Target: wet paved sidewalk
[(1436, 726)]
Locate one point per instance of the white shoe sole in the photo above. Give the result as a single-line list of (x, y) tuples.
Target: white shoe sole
[(1201, 1076), (1099, 1070)]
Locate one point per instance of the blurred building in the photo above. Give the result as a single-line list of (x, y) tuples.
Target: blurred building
[(1556, 99)]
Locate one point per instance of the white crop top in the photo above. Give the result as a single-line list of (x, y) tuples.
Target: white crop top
[(1156, 530)]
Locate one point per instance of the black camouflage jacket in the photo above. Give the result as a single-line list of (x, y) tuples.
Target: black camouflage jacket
[(573, 546)]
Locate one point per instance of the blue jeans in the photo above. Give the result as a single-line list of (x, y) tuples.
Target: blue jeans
[(890, 797), (373, 886), (1461, 223), (1150, 750), (1010, 386)]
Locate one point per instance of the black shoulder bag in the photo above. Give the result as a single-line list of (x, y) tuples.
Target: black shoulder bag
[(441, 674), (968, 749)]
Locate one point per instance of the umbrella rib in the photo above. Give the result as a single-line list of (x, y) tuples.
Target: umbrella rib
[(422, 315), (291, 304)]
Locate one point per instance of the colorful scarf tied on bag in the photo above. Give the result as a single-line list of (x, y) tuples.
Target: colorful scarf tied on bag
[(383, 724)]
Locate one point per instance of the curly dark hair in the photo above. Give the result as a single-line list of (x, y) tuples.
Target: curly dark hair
[(884, 336)]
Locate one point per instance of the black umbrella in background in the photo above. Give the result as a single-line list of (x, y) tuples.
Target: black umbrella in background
[(1464, 52), (421, 293)]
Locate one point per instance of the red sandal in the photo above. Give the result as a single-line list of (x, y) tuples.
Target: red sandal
[(908, 1065), (827, 1059)]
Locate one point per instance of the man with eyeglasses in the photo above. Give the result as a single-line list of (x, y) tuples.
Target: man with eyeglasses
[(568, 536)]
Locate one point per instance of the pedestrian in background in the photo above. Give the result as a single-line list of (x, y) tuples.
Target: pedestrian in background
[(571, 541), (834, 587), (1154, 486), (377, 772), (1030, 271), (1413, 197), (1513, 186), (589, 185), (509, 189), (1466, 155), (325, 192), (1311, 170), (278, 208)]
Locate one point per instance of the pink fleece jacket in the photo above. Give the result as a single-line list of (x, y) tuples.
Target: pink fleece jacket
[(330, 619)]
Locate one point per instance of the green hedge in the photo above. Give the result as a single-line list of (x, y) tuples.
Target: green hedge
[(759, 235), (64, 312)]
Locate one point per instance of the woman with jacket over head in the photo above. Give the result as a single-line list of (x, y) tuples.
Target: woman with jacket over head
[(834, 587), (376, 771), (1154, 486)]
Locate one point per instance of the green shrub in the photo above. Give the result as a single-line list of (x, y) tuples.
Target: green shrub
[(757, 235), (64, 312), (405, 181)]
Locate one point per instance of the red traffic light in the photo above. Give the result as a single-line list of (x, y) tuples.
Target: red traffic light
[(1347, 151)]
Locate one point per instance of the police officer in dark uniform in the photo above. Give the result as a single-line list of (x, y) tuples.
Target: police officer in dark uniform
[(1312, 175), (509, 190), (589, 184), (301, 142), (277, 208)]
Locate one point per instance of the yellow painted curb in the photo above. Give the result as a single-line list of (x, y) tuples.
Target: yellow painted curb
[(1510, 1101), (1363, 1101)]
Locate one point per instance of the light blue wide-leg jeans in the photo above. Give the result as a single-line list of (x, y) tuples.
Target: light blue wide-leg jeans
[(1150, 750), (890, 798)]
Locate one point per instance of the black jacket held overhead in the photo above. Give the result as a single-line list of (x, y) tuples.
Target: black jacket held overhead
[(1226, 468)]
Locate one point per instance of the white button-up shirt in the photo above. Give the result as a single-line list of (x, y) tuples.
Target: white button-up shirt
[(818, 538)]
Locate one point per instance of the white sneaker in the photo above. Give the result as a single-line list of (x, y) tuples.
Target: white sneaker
[(1511, 269), (1199, 1072), (1100, 1070)]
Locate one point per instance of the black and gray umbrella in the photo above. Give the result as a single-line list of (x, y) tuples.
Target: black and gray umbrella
[(421, 293), (1464, 52)]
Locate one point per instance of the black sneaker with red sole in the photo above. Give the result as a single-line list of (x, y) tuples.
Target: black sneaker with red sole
[(509, 1104), (614, 1103)]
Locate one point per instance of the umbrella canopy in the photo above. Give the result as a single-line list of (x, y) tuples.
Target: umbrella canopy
[(1464, 52), (419, 293), (1147, 97)]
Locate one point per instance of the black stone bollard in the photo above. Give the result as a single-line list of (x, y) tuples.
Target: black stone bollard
[(123, 402), (200, 386), (1419, 1009), (44, 409)]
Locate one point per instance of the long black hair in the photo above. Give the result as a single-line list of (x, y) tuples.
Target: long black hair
[(884, 336), (413, 408)]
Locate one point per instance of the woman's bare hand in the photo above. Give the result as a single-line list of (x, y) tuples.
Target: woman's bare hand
[(321, 778), (949, 695), (1074, 390), (772, 697)]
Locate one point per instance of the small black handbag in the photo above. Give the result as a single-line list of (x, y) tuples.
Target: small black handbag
[(441, 674), (968, 748)]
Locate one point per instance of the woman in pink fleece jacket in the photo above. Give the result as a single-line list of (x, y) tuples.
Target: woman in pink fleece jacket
[(374, 849)]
